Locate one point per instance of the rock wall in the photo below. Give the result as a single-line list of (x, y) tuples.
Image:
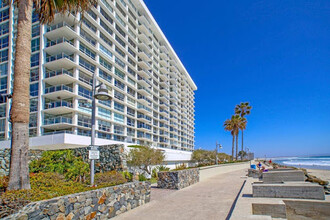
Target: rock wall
[(102, 203), (5, 159), (178, 179), (112, 157)]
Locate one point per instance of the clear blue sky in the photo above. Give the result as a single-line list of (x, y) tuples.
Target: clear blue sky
[(273, 53)]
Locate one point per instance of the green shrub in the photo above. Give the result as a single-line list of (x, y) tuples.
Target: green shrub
[(127, 175), (142, 177), (110, 178), (163, 168), (62, 162), (180, 167)]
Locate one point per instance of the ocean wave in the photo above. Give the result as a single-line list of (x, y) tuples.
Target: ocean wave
[(308, 163)]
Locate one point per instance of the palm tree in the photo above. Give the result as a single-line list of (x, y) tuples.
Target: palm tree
[(233, 125), (229, 127), (20, 111), (242, 110)]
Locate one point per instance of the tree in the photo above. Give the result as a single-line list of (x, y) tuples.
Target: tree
[(144, 157), (233, 125), (242, 154), (242, 110), (20, 110), (203, 156)]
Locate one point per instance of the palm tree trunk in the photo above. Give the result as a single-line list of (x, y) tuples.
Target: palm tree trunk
[(236, 146), (242, 146), (20, 110), (232, 149)]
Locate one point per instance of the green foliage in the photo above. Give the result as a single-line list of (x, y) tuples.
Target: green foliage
[(180, 167), (144, 157), (203, 156), (78, 171), (153, 180), (3, 182), (154, 173), (163, 168), (142, 177), (242, 153), (62, 162), (127, 175), (110, 178)]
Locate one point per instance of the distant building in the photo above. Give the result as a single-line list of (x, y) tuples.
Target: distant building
[(119, 41)]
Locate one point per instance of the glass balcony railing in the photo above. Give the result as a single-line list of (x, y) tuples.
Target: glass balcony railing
[(59, 25), (57, 120), (58, 88), (59, 56), (57, 104), (58, 41), (49, 74), (57, 132)]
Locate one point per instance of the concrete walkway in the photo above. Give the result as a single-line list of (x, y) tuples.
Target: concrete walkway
[(212, 198)]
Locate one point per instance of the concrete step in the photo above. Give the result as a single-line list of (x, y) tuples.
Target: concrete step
[(283, 176), (275, 210), (289, 190)]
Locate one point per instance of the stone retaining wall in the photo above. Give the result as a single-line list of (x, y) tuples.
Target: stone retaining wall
[(102, 203), (178, 179), (112, 157)]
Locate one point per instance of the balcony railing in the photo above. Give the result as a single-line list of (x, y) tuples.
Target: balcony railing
[(58, 120), (59, 56), (49, 74), (59, 25), (59, 41), (58, 88), (57, 104)]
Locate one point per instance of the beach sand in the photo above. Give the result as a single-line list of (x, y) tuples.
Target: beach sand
[(322, 174)]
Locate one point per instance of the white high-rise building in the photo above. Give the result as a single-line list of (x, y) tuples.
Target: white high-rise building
[(119, 40)]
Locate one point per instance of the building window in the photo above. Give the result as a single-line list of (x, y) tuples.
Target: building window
[(82, 91), (34, 75), (118, 118), (4, 55), (105, 76), (4, 42), (3, 110), (35, 60), (33, 120), (84, 63), (87, 51), (105, 64), (84, 121), (35, 45), (34, 89), (105, 51), (104, 113), (104, 126)]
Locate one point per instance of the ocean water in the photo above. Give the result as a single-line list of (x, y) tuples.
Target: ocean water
[(316, 162)]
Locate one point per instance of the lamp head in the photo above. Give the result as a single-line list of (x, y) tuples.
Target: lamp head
[(102, 93)]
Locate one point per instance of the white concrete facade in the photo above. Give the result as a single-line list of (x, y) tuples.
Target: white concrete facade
[(120, 42)]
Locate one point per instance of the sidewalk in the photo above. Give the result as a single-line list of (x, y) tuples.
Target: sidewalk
[(211, 198)]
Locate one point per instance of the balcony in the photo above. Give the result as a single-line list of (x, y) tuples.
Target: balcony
[(143, 64), (143, 81), (58, 107), (163, 90), (60, 45), (163, 69), (144, 28), (144, 118), (62, 91), (144, 55), (144, 73), (59, 76), (59, 30), (144, 37), (144, 91), (163, 49), (144, 127), (144, 100), (144, 109), (60, 60), (56, 123)]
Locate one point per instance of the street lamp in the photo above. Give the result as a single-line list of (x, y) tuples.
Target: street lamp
[(216, 152), (100, 94)]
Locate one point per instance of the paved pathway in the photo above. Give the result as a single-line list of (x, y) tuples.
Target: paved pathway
[(211, 198)]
